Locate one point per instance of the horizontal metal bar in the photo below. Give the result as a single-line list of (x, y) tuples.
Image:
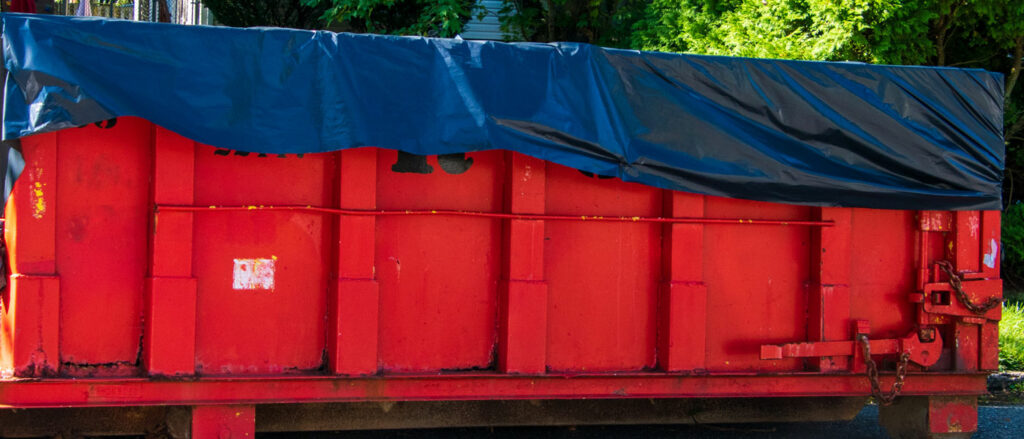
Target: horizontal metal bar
[(826, 349), (28, 393), (498, 215)]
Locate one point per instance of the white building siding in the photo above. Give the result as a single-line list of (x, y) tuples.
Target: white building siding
[(487, 28)]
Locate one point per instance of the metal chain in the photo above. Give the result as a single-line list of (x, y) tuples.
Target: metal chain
[(876, 387), (956, 281)]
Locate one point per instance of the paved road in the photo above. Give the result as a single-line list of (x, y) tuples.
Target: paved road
[(996, 423)]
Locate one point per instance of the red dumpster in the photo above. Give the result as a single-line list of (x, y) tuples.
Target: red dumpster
[(150, 270), (177, 266)]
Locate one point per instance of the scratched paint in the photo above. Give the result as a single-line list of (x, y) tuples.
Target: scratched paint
[(253, 274), (990, 256), (38, 200), (974, 224)]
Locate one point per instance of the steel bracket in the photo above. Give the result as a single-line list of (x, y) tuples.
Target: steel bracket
[(924, 346)]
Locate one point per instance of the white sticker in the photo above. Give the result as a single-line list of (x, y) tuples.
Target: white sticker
[(990, 257), (253, 274)]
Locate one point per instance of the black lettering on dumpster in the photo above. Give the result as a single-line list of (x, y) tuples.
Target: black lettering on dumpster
[(411, 164), (408, 163), (597, 176), (105, 124), (226, 152), (454, 164)]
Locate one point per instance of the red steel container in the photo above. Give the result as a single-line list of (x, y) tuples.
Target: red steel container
[(147, 269)]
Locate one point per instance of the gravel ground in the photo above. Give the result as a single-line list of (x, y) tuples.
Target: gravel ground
[(997, 422)]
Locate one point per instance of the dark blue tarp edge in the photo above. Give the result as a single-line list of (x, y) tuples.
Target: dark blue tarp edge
[(802, 132)]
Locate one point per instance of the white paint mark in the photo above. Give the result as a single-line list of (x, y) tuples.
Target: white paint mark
[(993, 252), (974, 225), (253, 274)]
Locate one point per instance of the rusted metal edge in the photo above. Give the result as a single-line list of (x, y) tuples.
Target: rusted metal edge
[(497, 215), (28, 393)]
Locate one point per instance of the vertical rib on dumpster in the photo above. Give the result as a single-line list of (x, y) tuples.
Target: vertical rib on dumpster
[(829, 296), (682, 330), (354, 307), (522, 321), (170, 301), (31, 322)]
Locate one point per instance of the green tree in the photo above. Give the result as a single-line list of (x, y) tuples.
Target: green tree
[(437, 18), (440, 18), (603, 22), (797, 29), (279, 13)]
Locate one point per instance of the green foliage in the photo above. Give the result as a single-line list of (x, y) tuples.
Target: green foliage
[(438, 18), (1013, 244), (1011, 327), (1011, 337), (888, 31), (603, 22), (800, 29), (280, 13)]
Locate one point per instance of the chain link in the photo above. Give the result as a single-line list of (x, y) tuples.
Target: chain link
[(876, 386), (956, 282)]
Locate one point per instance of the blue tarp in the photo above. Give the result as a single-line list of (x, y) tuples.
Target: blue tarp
[(818, 133)]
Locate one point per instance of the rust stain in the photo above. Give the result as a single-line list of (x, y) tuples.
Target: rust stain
[(954, 426)]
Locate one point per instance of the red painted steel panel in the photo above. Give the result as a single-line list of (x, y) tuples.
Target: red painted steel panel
[(952, 415), (756, 278), (30, 315), (439, 275), (881, 253), (272, 320), (466, 386), (102, 214), (433, 278), (32, 326), (31, 210), (603, 278)]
